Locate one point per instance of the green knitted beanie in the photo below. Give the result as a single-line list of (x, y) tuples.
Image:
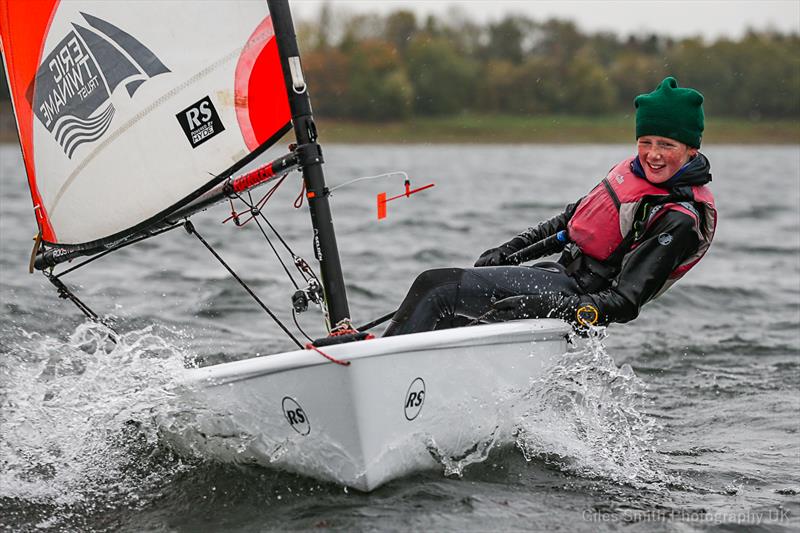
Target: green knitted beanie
[(671, 111)]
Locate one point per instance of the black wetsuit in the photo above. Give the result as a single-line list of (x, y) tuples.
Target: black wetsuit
[(451, 297)]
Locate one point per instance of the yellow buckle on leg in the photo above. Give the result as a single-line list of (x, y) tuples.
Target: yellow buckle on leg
[(587, 315)]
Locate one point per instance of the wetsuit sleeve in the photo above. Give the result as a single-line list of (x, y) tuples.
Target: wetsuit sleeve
[(542, 231), (665, 245)]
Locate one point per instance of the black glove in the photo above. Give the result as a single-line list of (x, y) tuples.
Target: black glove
[(492, 257), (499, 256)]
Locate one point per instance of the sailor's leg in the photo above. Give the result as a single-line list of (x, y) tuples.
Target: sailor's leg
[(438, 296), (431, 298)]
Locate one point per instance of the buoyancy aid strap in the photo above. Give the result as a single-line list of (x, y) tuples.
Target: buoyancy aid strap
[(612, 193), (650, 205)]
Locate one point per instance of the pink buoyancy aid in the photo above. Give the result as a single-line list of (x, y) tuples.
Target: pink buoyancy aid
[(604, 222)]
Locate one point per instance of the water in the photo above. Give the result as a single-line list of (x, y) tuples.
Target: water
[(684, 420)]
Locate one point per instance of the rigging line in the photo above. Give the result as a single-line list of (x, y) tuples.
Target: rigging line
[(483, 317), (255, 211), (296, 323), (376, 322), (260, 212), (280, 260), (271, 192), (384, 175), (134, 241), (297, 259), (190, 228), (280, 238), (65, 293)]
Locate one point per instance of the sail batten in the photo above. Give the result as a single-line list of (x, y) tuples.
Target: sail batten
[(129, 111)]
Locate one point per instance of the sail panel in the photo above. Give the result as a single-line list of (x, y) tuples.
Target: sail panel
[(261, 103), (21, 67), (137, 106)]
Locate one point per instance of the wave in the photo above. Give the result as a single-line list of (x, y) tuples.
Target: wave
[(759, 249), (587, 418), (556, 207), (762, 212), (78, 416)]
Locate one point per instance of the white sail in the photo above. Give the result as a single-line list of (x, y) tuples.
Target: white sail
[(129, 108)]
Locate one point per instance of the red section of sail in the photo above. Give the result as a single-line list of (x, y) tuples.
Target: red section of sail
[(262, 106), (23, 28)]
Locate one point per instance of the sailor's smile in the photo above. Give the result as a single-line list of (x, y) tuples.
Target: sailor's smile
[(662, 157)]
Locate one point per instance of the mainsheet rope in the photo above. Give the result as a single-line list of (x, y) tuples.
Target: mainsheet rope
[(191, 229)]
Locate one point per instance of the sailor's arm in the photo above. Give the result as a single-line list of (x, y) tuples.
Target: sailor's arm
[(645, 270), (497, 256)]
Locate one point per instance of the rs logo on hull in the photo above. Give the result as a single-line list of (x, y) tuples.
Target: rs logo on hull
[(415, 397), (295, 416), (74, 83)]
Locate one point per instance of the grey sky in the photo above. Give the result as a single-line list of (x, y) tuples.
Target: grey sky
[(678, 18)]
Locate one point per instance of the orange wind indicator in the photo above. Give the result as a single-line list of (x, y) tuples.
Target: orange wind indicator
[(382, 200)]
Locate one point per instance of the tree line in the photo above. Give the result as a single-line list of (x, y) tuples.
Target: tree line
[(397, 66), (393, 67)]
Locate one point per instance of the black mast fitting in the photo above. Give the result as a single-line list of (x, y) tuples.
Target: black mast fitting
[(311, 161)]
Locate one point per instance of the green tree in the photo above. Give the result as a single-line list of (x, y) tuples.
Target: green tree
[(400, 28), (634, 73), (379, 86), (498, 89), (328, 74), (538, 87), (559, 40), (442, 79), (506, 40), (588, 90)]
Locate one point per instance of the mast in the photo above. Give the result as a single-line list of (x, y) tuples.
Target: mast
[(309, 154)]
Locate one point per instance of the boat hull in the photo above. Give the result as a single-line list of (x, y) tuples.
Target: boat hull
[(404, 404)]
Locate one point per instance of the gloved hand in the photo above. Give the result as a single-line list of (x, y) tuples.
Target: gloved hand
[(499, 256), (492, 257)]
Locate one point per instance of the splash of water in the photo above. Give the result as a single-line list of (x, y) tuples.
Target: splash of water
[(78, 415), (585, 416), (455, 465)]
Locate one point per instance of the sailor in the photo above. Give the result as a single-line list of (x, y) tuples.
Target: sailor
[(649, 221)]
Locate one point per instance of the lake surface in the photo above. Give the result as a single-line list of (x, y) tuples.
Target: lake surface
[(684, 420)]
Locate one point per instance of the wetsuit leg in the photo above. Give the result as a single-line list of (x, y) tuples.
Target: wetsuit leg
[(438, 297)]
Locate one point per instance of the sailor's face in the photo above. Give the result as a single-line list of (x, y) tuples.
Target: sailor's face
[(662, 157)]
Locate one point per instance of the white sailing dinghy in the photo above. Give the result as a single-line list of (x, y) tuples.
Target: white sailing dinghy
[(132, 119)]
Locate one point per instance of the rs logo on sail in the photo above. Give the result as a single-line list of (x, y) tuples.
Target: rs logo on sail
[(200, 122), (74, 83)]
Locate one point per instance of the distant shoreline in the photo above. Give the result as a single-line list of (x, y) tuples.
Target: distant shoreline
[(551, 129), (543, 129)]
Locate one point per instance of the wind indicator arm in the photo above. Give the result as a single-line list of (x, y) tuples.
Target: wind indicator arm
[(382, 199)]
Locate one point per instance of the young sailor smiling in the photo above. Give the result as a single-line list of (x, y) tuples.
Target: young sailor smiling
[(649, 221)]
